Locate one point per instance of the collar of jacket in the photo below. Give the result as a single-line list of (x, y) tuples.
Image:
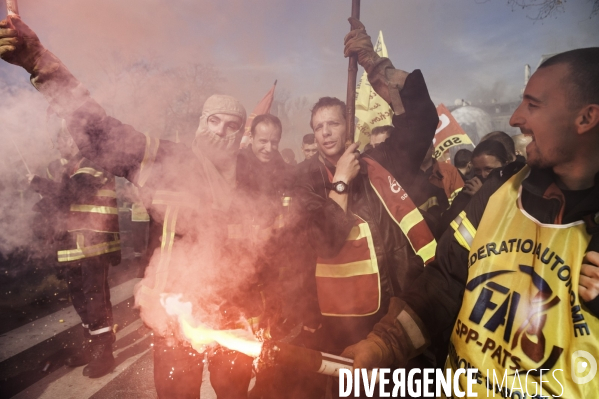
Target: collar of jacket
[(541, 184)]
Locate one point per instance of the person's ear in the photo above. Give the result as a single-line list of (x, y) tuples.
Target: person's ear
[(587, 119)]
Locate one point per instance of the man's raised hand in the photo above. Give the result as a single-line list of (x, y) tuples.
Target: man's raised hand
[(472, 186), (19, 45)]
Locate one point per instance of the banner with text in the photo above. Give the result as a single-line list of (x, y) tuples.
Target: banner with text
[(371, 109), (449, 133)]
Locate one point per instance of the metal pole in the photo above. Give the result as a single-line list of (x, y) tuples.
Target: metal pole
[(352, 75), (12, 7), (21, 155)]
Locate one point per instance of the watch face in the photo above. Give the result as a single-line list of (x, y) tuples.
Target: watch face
[(340, 187)]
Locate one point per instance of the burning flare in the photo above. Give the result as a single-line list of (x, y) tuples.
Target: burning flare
[(201, 336), (238, 340)]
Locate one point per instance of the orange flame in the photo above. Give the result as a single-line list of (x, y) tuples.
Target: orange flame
[(238, 340)]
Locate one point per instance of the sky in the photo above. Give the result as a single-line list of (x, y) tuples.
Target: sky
[(471, 49)]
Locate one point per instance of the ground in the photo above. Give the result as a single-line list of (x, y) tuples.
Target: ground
[(37, 334)]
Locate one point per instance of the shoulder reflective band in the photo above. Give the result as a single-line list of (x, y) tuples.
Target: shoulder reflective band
[(145, 168), (89, 252), (464, 231), (106, 210), (454, 194), (89, 171), (402, 210)]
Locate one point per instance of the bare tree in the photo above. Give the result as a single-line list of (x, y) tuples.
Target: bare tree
[(545, 8), (294, 113)]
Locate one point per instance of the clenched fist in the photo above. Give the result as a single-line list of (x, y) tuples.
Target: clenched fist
[(357, 42)]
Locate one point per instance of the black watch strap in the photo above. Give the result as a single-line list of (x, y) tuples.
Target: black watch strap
[(339, 187)]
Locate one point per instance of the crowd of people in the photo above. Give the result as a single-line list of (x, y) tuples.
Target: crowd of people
[(390, 256)]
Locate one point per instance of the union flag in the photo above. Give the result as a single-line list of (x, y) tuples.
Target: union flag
[(262, 108)]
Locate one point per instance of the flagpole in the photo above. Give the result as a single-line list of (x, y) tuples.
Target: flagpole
[(12, 7), (21, 155), (352, 76)]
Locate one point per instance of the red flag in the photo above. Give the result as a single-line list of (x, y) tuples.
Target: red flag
[(262, 108), (449, 132)]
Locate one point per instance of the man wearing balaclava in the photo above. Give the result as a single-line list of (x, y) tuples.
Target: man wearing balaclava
[(186, 191)]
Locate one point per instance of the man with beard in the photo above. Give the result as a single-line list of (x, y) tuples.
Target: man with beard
[(187, 191), (518, 275)]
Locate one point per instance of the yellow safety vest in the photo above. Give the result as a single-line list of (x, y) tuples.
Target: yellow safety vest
[(521, 311), (348, 284)]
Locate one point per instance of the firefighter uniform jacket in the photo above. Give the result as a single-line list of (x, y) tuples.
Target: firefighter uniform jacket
[(365, 255), (505, 281), (86, 200)]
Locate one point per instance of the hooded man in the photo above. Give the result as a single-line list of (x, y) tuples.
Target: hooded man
[(187, 192)]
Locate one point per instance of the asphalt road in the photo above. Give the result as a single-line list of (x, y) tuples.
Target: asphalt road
[(37, 337)]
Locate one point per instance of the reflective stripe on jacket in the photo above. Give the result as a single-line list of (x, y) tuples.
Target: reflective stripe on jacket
[(100, 212)]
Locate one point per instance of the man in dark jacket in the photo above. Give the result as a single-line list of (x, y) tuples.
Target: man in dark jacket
[(84, 203), (354, 208), (518, 275)]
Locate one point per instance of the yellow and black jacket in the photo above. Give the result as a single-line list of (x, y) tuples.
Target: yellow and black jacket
[(86, 202)]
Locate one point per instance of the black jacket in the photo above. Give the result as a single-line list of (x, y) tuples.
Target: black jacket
[(327, 225)]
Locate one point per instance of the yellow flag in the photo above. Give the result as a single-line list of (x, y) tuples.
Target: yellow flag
[(371, 109)]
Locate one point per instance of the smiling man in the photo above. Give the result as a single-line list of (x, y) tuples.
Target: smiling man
[(518, 275), (265, 136)]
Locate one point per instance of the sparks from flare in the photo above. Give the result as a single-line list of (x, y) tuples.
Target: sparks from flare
[(200, 336)]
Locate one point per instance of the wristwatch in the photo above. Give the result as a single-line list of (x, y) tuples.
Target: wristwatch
[(340, 187)]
